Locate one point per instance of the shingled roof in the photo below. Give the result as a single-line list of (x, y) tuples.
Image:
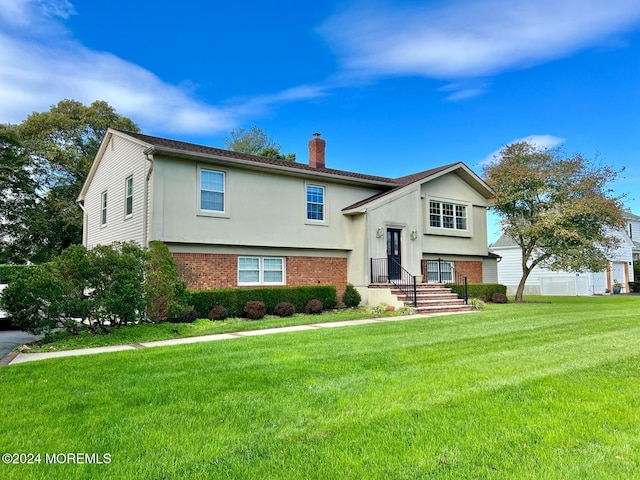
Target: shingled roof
[(402, 182), (165, 146), (177, 147)]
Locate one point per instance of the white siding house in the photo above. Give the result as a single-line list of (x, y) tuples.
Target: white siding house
[(542, 281)]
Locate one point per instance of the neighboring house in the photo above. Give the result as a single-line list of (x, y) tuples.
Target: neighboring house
[(542, 281), (633, 231), (232, 219)]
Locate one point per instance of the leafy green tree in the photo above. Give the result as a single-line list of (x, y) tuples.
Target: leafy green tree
[(18, 201), (55, 148), (559, 209), (255, 141)]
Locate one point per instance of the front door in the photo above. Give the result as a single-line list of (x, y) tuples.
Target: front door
[(394, 260)]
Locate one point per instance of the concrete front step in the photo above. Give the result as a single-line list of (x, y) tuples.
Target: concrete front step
[(434, 298), (442, 309)]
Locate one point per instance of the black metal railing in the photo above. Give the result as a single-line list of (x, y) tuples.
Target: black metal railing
[(443, 271), (388, 270)]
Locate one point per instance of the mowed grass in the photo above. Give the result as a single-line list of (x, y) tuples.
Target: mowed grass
[(534, 391)]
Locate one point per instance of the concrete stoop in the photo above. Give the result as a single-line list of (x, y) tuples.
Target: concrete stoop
[(434, 298)]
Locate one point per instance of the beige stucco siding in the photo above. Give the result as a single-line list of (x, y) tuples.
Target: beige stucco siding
[(121, 159), (473, 241), (401, 212), (261, 209)]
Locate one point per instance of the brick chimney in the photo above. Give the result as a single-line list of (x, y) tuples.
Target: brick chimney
[(316, 151)]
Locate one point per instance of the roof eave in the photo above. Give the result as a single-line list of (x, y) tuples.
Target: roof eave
[(221, 159)]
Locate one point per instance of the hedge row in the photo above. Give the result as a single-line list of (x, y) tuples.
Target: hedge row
[(9, 272), (482, 291), (234, 299)]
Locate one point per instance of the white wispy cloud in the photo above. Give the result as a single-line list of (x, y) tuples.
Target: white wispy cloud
[(45, 65), (470, 38), (543, 142)]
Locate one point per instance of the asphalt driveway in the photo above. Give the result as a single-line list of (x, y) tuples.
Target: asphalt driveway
[(10, 338)]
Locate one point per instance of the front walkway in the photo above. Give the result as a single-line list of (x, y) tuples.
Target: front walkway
[(14, 358)]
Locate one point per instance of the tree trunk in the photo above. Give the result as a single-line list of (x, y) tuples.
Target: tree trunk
[(523, 281)]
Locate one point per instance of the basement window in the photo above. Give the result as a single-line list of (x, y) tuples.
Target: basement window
[(261, 271)]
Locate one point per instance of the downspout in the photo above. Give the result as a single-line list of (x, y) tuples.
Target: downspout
[(84, 222), (146, 215)]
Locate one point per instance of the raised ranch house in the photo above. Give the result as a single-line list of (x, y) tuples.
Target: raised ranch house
[(542, 281), (233, 220)]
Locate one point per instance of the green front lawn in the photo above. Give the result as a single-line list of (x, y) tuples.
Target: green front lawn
[(537, 391)]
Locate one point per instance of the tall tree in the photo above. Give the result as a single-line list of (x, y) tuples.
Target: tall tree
[(255, 141), (59, 146), (559, 209)]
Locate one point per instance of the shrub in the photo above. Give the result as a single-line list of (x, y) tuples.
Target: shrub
[(499, 298), (405, 311), (483, 291), (378, 309), (34, 300), (189, 315), (114, 276), (234, 299), (255, 310), (477, 304), (351, 297), (313, 306), (284, 309), (167, 295), (218, 313)]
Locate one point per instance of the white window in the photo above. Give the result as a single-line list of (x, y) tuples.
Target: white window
[(261, 271), (315, 203), (128, 197), (104, 209), (439, 271), (447, 215), (212, 191)]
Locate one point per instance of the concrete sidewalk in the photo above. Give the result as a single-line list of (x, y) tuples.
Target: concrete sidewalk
[(14, 358)]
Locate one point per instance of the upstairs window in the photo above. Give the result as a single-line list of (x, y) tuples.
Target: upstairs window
[(315, 203), (103, 216), (128, 198), (212, 191), (447, 215)]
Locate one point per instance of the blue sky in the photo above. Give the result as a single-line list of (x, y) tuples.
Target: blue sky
[(394, 87)]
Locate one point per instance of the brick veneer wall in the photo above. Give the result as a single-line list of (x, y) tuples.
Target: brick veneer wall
[(318, 271), (207, 271), (472, 269)]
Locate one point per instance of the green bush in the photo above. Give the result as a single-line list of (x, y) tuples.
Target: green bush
[(351, 297), (234, 299), (483, 291), (34, 299), (167, 296), (9, 272), (255, 310), (104, 286)]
